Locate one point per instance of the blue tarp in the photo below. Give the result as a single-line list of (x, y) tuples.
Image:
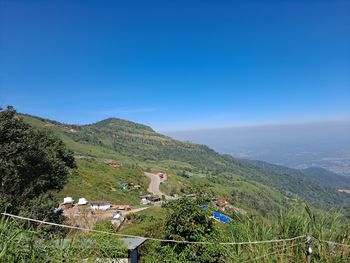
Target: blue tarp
[(217, 215), (225, 219), (205, 207)]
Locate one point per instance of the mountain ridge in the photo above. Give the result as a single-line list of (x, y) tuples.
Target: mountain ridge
[(140, 144), (319, 175)]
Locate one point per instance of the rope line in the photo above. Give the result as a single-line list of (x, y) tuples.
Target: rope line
[(154, 239), (272, 253), (331, 242)]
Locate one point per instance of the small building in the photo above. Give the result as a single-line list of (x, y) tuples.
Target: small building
[(117, 215), (146, 196), (114, 164), (132, 245), (155, 199), (117, 219), (82, 201), (162, 175), (100, 205), (145, 201), (122, 207)]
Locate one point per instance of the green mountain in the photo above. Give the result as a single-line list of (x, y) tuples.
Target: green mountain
[(317, 175), (192, 167), (325, 177)]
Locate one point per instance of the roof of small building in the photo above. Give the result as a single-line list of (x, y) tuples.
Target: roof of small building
[(133, 242), (100, 202), (122, 207), (145, 195)]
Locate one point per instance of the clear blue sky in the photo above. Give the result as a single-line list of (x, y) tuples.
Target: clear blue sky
[(177, 64)]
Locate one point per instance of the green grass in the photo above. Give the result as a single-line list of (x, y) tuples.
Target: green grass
[(94, 180), (22, 245), (148, 223)]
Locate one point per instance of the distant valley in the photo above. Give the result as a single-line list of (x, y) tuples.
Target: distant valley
[(300, 146)]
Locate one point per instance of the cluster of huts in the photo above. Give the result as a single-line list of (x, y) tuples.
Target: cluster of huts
[(68, 202), (221, 204)]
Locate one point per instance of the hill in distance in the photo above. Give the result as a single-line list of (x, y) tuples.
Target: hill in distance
[(312, 174), (192, 167), (323, 144)]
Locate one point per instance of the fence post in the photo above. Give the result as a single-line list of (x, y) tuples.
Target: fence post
[(308, 249)]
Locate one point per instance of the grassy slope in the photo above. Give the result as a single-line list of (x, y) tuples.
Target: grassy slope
[(95, 180), (245, 184), (146, 223)]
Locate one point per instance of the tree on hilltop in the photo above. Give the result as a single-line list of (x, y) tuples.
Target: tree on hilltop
[(33, 164)]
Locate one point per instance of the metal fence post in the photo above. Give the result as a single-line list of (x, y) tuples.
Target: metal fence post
[(308, 249)]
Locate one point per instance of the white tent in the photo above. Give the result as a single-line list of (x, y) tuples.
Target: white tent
[(68, 200)]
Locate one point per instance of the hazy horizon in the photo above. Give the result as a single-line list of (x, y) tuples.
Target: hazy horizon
[(323, 144)]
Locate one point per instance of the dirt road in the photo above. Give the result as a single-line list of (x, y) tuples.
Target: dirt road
[(154, 186), (133, 211)]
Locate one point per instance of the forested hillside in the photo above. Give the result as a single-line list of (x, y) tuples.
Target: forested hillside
[(314, 174), (139, 144)]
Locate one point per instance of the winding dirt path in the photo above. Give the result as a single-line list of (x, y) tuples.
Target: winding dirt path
[(154, 186)]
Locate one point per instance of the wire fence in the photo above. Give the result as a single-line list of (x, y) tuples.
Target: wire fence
[(279, 251), (151, 238), (280, 242), (331, 242)]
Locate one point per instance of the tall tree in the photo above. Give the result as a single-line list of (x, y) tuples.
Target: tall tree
[(187, 221), (33, 164)]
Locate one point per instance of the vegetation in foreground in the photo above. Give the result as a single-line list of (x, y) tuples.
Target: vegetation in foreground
[(33, 164), (20, 244), (186, 220)]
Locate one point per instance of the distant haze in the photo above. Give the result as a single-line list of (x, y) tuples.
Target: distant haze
[(323, 144)]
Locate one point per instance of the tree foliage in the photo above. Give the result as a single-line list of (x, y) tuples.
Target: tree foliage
[(188, 222), (32, 163)]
